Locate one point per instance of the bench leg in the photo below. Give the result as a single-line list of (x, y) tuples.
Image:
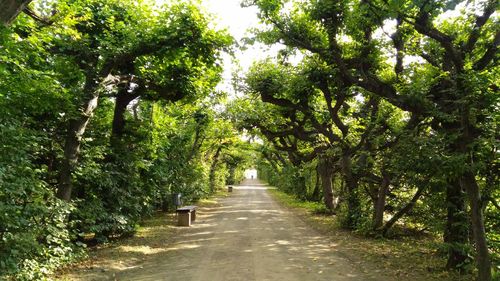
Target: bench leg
[(193, 215), (184, 219)]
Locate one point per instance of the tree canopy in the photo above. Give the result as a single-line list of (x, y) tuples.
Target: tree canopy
[(396, 97), (105, 114), (387, 111)]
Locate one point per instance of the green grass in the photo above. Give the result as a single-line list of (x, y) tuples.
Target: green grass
[(405, 258), (292, 201)]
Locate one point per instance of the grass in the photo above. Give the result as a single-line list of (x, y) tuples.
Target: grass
[(406, 258)]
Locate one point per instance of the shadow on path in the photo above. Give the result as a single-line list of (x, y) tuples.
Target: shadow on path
[(248, 237)]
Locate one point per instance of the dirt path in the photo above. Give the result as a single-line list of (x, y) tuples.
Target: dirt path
[(247, 237)]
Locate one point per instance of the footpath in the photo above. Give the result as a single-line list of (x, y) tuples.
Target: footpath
[(246, 237)]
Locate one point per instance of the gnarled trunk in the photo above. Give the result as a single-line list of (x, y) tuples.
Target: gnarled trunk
[(325, 171), (468, 182), (456, 232), (213, 168), (316, 194), (9, 9), (353, 204), (404, 210), (123, 99), (378, 214), (76, 129)]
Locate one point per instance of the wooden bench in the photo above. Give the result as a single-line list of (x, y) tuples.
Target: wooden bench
[(186, 215)]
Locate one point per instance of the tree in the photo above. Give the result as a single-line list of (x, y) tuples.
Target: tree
[(313, 109), (104, 44), (54, 134), (452, 83), (9, 9)]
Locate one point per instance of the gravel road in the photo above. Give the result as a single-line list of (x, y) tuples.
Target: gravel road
[(247, 237)]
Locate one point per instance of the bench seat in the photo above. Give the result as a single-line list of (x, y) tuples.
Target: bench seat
[(186, 215)]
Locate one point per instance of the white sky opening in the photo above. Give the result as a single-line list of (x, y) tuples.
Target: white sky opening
[(238, 20), (251, 174)]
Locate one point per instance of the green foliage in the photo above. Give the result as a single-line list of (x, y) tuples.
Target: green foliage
[(49, 71), (35, 235), (297, 181), (407, 115), (292, 201), (423, 123)]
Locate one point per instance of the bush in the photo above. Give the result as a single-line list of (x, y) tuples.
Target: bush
[(34, 235)]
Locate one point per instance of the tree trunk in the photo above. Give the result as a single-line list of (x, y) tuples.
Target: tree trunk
[(123, 99), (404, 210), (468, 182), (197, 143), (353, 204), (213, 168), (378, 215), (232, 178), (9, 9), (456, 232), (325, 171), (76, 129), (316, 194)]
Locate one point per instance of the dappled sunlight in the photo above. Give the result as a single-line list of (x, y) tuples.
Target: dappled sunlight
[(249, 187), (199, 233), (201, 240), (264, 212), (121, 266), (208, 210), (146, 250), (202, 225), (249, 237), (183, 247)]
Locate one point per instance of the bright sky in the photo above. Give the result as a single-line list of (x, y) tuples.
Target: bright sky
[(229, 14)]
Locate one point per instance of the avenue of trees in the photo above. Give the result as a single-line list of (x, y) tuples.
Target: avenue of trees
[(388, 111), (106, 110)]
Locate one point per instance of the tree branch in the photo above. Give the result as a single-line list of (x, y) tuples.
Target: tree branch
[(323, 85), (429, 59), (490, 54), (43, 20), (423, 26), (397, 40), (269, 98), (479, 23), (404, 210), (10, 9)]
